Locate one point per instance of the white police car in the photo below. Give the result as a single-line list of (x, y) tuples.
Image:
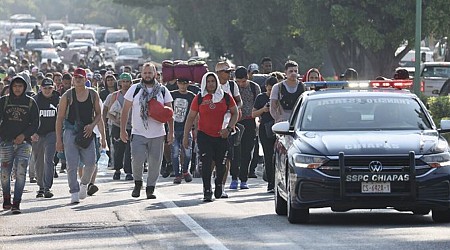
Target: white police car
[(361, 149)]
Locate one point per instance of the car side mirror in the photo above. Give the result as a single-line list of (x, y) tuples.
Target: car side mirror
[(445, 126), (281, 128)]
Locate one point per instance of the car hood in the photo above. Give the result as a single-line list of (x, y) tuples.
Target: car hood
[(366, 142)]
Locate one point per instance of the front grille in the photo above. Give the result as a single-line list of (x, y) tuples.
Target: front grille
[(361, 165)]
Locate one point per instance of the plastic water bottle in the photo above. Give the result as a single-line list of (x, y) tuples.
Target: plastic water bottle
[(103, 161)]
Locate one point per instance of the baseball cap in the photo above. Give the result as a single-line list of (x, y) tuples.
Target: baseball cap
[(35, 69), (47, 82), (67, 76), (89, 75), (125, 76), (253, 68), (97, 76), (241, 72), (183, 80), (40, 75), (222, 66), (79, 72)]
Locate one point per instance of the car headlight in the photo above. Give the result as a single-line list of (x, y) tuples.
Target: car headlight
[(441, 146), (308, 161), (437, 160)]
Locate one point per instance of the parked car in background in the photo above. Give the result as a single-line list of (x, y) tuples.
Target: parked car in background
[(99, 33), (18, 38), (51, 54), (38, 44), (131, 55), (408, 61), (433, 76), (113, 36), (82, 35), (74, 51)]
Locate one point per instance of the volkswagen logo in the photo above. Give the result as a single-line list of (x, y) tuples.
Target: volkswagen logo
[(375, 166)]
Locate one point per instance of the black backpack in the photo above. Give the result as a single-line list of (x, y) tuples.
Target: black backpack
[(287, 100)]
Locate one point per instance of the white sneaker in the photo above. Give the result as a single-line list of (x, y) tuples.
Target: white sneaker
[(74, 198), (83, 191)]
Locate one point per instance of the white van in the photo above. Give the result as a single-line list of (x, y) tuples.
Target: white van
[(113, 36), (82, 34)]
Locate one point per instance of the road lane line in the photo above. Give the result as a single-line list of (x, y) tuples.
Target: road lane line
[(204, 235)]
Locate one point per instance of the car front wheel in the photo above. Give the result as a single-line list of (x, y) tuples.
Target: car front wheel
[(296, 215), (280, 203), (441, 216)]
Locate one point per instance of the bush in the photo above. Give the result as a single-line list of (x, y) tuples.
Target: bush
[(439, 107), (158, 53)]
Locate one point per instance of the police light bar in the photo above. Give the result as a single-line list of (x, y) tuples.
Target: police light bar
[(397, 84), (367, 84)]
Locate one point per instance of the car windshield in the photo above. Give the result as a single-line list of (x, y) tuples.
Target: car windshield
[(436, 71), (130, 52), (364, 113), (35, 45), (115, 38)]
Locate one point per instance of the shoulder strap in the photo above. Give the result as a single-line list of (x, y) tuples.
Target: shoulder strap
[(6, 103), (199, 99), (136, 91), (92, 94), (30, 104), (231, 83), (227, 100), (253, 87)]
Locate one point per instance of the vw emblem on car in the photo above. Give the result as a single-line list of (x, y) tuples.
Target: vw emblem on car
[(375, 166)]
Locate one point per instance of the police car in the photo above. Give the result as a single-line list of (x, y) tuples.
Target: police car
[(372, 147)]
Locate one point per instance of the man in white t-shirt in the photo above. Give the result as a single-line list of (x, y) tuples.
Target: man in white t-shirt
[(147, 134), (284, 94)]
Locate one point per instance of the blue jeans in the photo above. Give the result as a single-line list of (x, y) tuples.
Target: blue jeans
[(176, 146), (16, 156)]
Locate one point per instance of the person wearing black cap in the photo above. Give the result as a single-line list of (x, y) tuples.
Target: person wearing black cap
[(19, 120), (44, 140)]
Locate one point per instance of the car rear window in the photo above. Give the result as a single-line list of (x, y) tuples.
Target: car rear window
[(436, 71), (364, 113)]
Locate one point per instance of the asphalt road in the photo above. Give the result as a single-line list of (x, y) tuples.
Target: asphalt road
[(178, 219)]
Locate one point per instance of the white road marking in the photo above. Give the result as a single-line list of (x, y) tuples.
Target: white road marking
[(204, 235)]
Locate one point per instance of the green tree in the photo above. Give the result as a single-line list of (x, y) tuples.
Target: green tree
[(365, 34)]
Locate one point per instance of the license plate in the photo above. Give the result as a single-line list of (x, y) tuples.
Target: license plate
[(375, 187)]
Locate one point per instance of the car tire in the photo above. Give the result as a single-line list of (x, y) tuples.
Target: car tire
[(280, 203), (441, 216), (296, 215), (421, 211)]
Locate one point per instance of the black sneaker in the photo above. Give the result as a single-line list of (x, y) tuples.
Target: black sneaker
[(55, 175), (33, 180), (167, 171), (207, 196), (48, 194), (7, 202), (218, 191), (40, 194), (129, 177), (92, 189), (116, 175), (149, 190), (16, 207)]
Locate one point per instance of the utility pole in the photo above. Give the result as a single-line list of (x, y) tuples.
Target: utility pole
[(417, 46)]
